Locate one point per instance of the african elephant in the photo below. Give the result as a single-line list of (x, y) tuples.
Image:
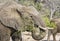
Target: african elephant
[(14, 17), (55, 30)]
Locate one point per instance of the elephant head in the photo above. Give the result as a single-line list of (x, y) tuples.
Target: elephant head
[(39, 30), (39, 27)]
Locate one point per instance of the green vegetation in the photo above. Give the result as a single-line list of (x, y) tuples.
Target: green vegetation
[(48, 23), (38, 6), (28, 28), (30, 3)]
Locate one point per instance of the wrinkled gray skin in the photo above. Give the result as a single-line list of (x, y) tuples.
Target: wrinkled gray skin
[(55, 30), (11, 22)]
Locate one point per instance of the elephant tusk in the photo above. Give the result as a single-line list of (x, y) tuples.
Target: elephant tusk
[(44, 28)]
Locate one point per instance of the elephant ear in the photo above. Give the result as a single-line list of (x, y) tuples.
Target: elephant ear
[(9, 17), (11, 23)]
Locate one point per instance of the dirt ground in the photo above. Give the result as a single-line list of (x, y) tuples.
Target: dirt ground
[(27, 37)]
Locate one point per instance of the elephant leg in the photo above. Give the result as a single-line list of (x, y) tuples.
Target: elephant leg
[(54, 39), (17, 36), (4, 33)]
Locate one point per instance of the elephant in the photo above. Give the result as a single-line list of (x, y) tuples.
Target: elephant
[(14, 17), (56, 29)]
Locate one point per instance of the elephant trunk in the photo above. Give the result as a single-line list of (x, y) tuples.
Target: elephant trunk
[(38, 33)]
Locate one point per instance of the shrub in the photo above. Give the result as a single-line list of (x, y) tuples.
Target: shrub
[(48, 23)]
